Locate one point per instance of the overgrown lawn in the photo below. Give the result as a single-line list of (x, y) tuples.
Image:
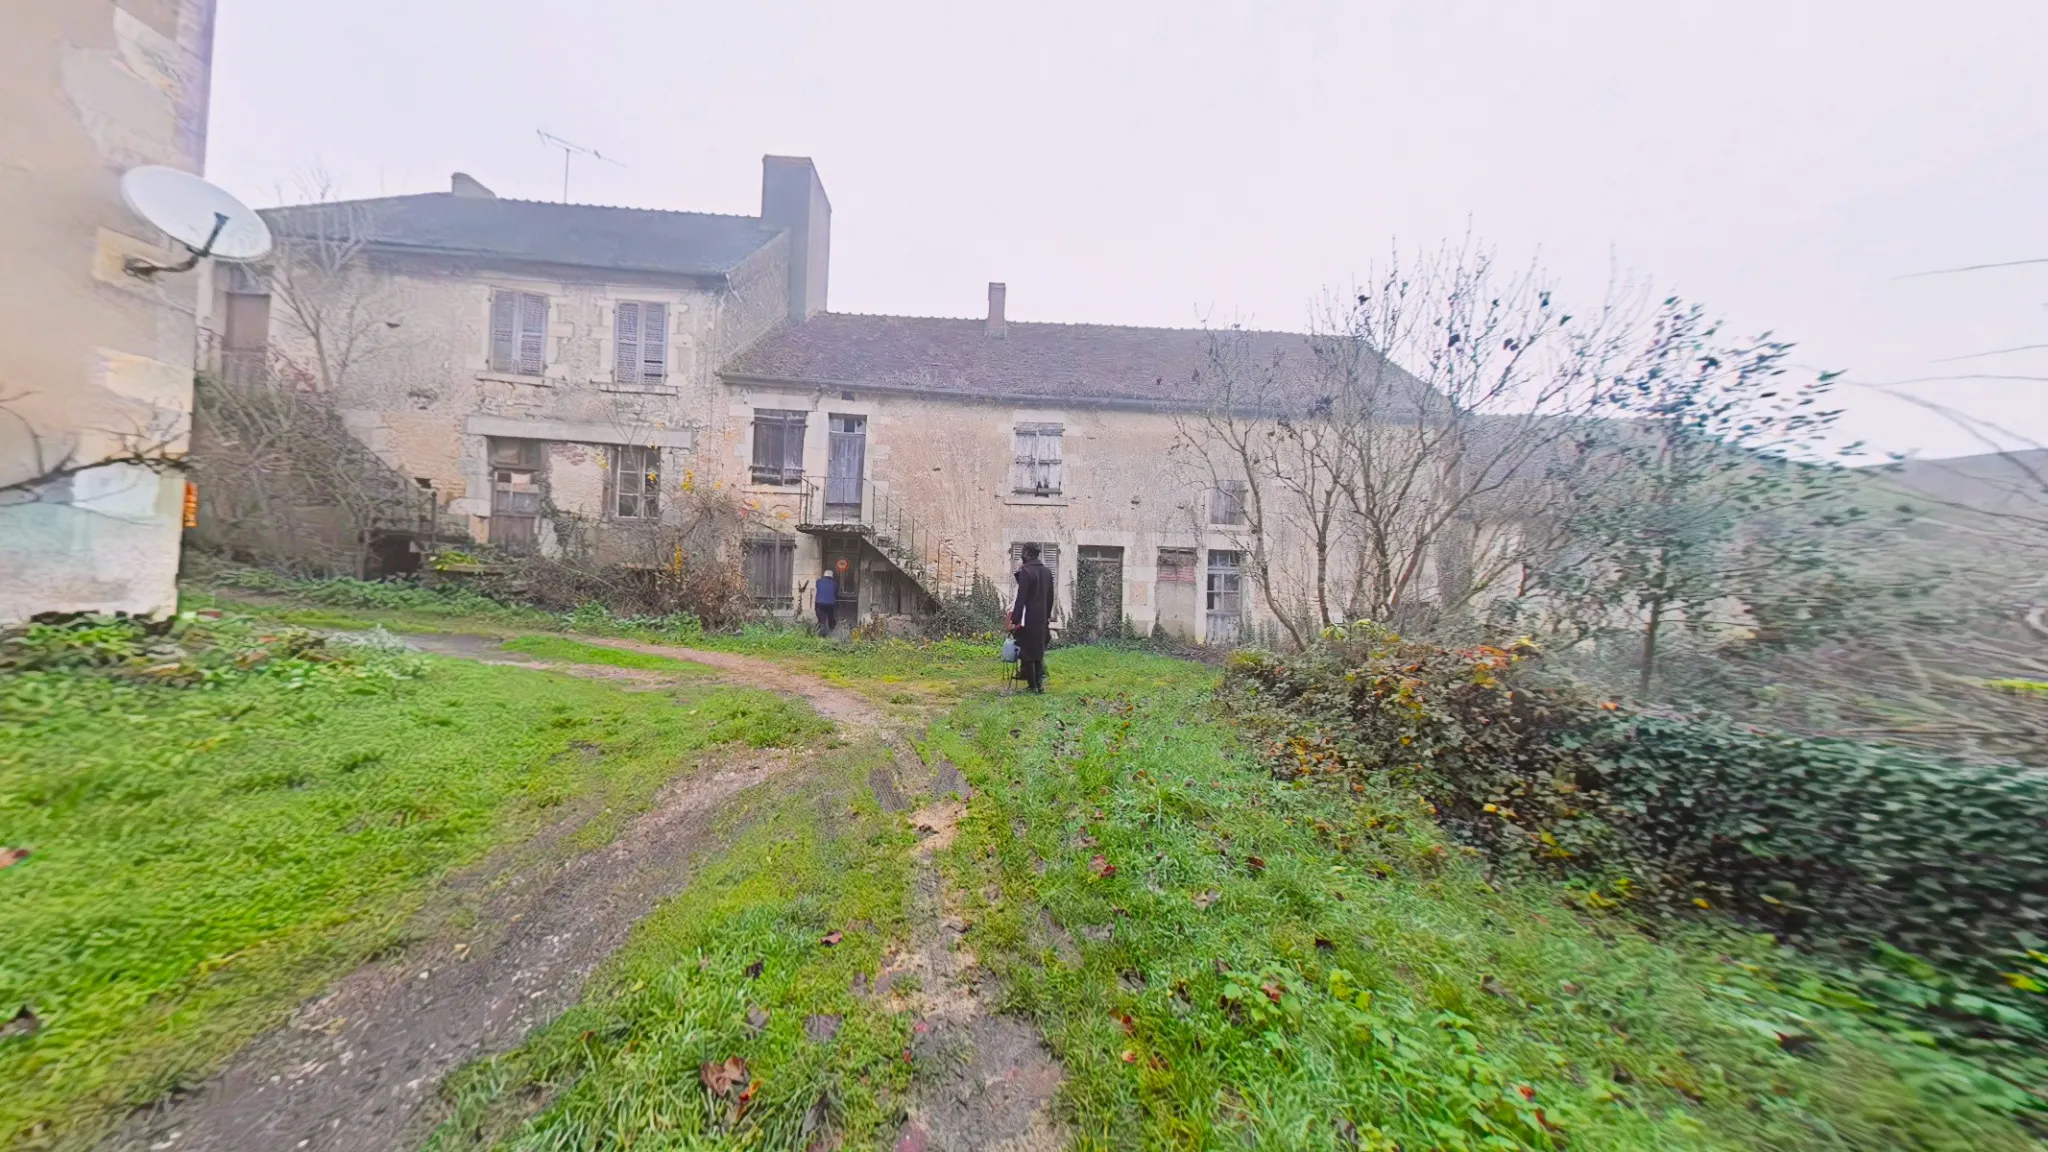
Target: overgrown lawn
[(203, 858)]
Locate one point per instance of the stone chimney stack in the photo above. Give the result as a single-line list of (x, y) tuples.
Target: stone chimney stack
[(997, 293), (793, 200), (463, 184)]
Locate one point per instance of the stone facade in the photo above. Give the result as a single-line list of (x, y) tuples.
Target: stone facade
[(95, 363)]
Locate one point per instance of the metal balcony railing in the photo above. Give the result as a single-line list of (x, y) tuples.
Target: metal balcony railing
[(883, 518)]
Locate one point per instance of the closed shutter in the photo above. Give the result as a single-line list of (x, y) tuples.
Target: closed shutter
[(1048, 555), (626, 343), (653, 343), (533, 328), (504, 329), (1050, 458)]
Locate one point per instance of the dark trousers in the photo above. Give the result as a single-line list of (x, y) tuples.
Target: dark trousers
[(1031, 644), (828, 618)]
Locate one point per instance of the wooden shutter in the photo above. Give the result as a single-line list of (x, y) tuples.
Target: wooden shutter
[(653, 343), (1050, 458), (626, 343), (504, 330), (533, 330), (793, 445)]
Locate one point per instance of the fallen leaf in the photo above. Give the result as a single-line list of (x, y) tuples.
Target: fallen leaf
[(721, 1077), (1204, 899), (1493, 987), (754, 970), (1130, 1057), (757, 1018), (1101, 866), (1527, 1092), (1569, 988), (832, 938), (1255, 863), (1273, 992), (25, 1023), (1130, 1025), (11, 856), (747, 1097), (1324, 945), (821, 1028)]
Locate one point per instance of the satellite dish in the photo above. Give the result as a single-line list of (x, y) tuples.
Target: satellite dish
[(200, 215)]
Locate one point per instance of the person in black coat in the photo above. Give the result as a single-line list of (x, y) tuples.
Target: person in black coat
[(1031, 618)]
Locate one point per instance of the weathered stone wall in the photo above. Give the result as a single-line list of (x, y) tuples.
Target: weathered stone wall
[(421, 393), (949, 463), (94, 363)]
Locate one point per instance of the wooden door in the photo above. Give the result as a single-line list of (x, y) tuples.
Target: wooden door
[(845, 467), (516, 480)]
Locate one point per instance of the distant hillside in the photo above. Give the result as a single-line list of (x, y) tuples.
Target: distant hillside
[(1994, 483)]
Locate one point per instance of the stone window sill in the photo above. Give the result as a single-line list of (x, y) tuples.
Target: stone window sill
[(638, 389), (513, 378), (1020, 499)]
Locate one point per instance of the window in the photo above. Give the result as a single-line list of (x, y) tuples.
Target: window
[(1226, 590), (1048, 555), (1038, 459), (639, 342), (778, 446), (771, 570), (635, 482), (1176, 565), (519, 330), (1226, 502)]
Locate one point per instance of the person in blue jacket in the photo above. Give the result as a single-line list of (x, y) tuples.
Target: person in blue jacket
[(827, 603)]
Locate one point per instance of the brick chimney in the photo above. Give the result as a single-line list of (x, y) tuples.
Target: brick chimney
[(997, 326), (793, 200), (463, 184)]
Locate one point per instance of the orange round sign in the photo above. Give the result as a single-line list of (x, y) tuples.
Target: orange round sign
[(841, 565)]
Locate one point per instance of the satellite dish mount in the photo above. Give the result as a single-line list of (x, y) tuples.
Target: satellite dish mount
[(203, 218), (137, 266)]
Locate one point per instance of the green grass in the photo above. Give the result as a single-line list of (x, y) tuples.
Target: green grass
[(204, 858), (622, 1068), (1284, 969), (569, 651)]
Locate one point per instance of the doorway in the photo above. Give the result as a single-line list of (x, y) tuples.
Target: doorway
[(845, 467), (1099, 591), (1225, 598), (515, 494), (842, 557)]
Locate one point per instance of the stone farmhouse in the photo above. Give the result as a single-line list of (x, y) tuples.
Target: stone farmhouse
[(559, 376)]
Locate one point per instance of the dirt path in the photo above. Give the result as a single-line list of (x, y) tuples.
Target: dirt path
[(357, 1069)]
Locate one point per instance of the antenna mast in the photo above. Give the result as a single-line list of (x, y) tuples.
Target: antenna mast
[(570, 150)]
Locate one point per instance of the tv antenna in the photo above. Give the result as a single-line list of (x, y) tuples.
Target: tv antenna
[(570, 151)]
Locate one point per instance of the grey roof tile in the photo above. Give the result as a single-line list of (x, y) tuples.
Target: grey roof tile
[(582, 235), (1052, 362)]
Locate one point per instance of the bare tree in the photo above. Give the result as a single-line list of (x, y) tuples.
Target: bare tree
[(1395, 469), (325, 298)]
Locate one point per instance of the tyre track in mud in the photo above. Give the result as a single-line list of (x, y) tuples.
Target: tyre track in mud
[(358, 1068)]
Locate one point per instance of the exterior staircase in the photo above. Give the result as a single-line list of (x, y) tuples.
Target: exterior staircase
[(879, 517)]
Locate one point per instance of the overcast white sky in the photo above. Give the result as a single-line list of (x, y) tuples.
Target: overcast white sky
[(1787, 162)]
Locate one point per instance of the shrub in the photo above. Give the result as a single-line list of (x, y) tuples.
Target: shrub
[(1821, 839), (190, 650)]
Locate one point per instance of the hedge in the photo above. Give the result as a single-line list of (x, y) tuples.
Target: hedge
[(1815, 838)]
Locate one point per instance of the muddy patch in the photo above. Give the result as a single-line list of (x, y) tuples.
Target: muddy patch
[(984, 1081), (357, 1069), (837, 704)]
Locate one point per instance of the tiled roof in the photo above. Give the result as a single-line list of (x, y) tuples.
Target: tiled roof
[(581, 235), (1066, 363)]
